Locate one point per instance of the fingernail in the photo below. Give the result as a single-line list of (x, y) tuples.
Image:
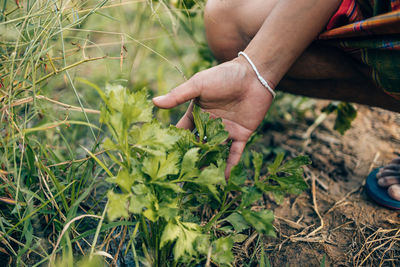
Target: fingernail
[(382, 182), (159, 98)]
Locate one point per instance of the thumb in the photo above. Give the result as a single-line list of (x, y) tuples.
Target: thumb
[(177, 96)]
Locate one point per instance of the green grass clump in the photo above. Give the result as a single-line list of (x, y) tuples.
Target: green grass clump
[(57, 205), (52, 192)]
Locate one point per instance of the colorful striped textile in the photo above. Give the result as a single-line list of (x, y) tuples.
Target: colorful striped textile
[(369, 30)]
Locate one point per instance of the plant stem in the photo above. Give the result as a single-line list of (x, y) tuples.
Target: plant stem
[(219, 214), (145, 231), (96, 235), (63, 69)]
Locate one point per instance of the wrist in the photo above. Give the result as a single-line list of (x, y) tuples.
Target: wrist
[(253, 73)]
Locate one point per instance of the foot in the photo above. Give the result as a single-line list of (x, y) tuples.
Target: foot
[(389, 177)]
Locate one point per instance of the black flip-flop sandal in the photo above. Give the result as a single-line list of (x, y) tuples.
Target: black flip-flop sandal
[(380, 194)]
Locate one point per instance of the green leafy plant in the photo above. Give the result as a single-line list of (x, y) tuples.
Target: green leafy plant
[(345, 114), (169, 179)]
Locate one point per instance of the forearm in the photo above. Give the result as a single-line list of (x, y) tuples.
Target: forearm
[(291, 26)]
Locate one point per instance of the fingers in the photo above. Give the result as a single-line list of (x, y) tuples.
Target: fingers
[(234, 156), (239, 135), (179, 95), (187, 121)]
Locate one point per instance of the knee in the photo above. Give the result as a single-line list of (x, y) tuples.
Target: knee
[(221, 28), (231, 24)]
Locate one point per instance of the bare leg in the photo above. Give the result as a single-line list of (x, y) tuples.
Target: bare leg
[(320, 72)]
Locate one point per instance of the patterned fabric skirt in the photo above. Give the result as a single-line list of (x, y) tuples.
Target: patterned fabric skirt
[(369, 30)]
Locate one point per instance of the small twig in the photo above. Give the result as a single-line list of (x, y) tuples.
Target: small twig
[(66, 106), (208, 257), (315, 206), (121, 243), (75, 161), (373, 163), (121, 53), (290, 223), (63, 69), (51, 63), (66, 228), (96, 235), (316, 123), (248, 242), (342, 201)]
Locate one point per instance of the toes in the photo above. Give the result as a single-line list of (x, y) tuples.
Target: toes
[(388, 181), (394, 191), (392, 166), (396, 161), (387, 172)]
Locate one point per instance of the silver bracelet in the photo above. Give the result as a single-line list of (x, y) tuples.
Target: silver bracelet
[(260, 78)]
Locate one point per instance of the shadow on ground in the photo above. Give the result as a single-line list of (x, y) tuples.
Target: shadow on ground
[(335, 219)]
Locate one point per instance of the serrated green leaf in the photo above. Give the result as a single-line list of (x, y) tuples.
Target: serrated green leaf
[(290, 178), (137, 203), (116, 122), (152, 135), (188, 166), (140, 189), (210, 177), (151, 215), (124, 181), (168, 165), (215, 132), (345, 114), (116, 95), (260, 220), (133, 107), (239, 238), (293, 184), (202, 244), (117, 206), (141, 198), (151, 165), (257, 163), (211, 131), (168, 209), (273, 168), (161, 165), (238, 222), (171, 232), (250, 195), (168, 185), (226, 229), (294, 164), (236, 179), (200, 120), (185, 244), (222, 250)]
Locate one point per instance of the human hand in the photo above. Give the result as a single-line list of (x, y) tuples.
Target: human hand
[(230, 91)]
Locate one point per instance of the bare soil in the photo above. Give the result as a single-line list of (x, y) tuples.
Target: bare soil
[(335, 219)]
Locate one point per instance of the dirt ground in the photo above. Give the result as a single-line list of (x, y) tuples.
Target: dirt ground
[(335, 219)]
